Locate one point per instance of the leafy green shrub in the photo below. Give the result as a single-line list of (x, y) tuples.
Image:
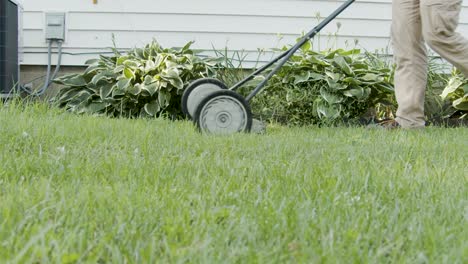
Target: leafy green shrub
[(457, 91), (146, 81), (322, 87)]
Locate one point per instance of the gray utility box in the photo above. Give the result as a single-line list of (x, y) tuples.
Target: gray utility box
[(55, 26), (9, 46)]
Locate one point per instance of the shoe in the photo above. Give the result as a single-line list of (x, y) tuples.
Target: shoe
[(388, 124)]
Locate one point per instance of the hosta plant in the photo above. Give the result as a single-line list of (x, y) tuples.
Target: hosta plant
[(323, 87), (144, 82), (457, 92)]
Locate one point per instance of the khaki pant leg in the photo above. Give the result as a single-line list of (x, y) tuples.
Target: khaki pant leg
[(440, 20), (411, 63)]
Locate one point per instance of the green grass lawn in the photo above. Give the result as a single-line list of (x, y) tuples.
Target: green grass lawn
[(97, 190)]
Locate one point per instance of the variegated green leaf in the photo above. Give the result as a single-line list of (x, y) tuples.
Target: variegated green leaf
[(461, 103), (164, 98), (106, 90), (152, 108), (129, 74), (134, 89), (123, 84), (341, 62), (151, 88), (96, 107), (302, 77), (74, 80), (453, 85)]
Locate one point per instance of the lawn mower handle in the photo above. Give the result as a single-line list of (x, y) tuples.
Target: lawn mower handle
[(285, 56)]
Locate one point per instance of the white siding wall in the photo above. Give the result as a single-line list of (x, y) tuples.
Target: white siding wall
[(239, 25)]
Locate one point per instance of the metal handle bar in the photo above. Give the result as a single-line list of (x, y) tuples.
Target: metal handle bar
[(285, 56)]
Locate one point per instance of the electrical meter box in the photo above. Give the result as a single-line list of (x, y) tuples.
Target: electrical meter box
[(55, 26)]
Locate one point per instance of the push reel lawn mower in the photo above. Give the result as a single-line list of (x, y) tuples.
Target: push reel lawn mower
[(217, 109)]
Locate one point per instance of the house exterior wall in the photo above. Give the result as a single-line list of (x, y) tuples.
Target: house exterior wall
[(241, 25)]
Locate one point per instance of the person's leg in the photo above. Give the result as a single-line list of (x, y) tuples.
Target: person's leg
[(411, 63), (439, 21)]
